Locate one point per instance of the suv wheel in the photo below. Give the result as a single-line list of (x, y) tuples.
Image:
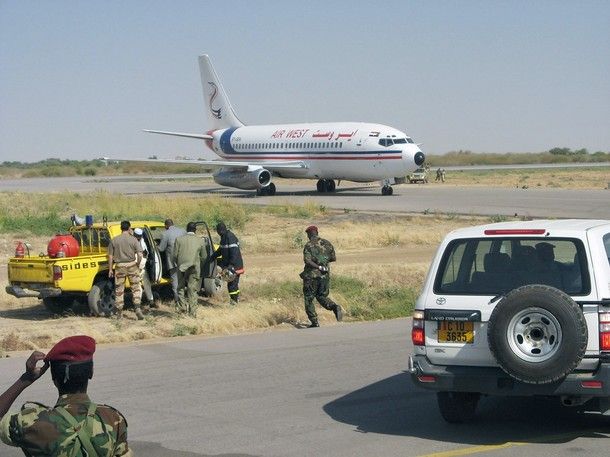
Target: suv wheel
[(537, 334), (457, 407)]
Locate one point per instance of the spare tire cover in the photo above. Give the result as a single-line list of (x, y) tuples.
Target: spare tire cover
[(537, 334)]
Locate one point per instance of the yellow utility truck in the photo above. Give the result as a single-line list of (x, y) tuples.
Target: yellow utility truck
[(76, 267)]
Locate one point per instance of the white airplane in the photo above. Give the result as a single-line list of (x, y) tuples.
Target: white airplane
[(253, 154)]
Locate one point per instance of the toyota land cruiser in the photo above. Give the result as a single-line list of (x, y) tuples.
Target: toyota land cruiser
[(519, 309)]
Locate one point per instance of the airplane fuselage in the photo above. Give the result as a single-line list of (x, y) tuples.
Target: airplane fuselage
[(352, 151)]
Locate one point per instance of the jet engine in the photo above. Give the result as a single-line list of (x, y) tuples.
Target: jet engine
[(252, 179)]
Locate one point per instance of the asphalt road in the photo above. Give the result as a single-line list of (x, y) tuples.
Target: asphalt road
[(537, 203), (334, 391)]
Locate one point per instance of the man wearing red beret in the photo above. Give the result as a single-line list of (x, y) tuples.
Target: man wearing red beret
[(317, 255), (75, 426)]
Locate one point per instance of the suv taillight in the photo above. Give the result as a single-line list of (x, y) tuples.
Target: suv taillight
[(418, 334), (57, 273), (604, 331)]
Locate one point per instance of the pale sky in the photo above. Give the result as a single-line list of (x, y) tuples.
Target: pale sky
[(80, 79)]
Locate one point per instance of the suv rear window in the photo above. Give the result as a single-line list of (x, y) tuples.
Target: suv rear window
[(482, 266)]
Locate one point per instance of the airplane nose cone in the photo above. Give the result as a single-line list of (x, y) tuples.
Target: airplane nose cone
[(419, 158)]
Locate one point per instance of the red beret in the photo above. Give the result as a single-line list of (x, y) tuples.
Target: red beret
[(78, 348), (311, 228)]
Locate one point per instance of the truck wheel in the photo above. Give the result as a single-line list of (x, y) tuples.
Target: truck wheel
[(57, 305), (457, 407), (101, 298), (537, 334)]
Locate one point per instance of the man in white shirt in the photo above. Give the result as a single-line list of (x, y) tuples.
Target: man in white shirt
[(144, 279)]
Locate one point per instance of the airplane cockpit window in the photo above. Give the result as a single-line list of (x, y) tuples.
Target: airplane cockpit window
[(386, 142), (400, 141), (409, 140)]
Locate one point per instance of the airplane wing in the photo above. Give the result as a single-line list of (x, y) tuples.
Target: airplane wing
[(271, 166), (187, 135)]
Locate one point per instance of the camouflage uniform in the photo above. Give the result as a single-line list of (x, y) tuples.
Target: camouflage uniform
[(43, 431), (124, 249), (316, 284)]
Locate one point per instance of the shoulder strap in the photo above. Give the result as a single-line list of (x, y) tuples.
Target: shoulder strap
[(83, 429)]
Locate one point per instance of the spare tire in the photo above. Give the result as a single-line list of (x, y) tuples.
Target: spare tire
[(537, 334)]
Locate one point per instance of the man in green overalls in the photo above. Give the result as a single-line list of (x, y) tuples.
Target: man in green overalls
[(189, 253)]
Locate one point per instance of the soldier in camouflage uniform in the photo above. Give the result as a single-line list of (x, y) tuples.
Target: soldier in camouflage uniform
[(75, 426), (125, 254), (317, 254)]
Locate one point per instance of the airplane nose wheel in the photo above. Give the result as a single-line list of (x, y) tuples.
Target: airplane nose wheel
[(387, 190), (325, 185)]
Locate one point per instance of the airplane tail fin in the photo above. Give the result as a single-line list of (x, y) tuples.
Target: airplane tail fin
[(219, 109)]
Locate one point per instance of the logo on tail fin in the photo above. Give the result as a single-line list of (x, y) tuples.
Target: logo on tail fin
[(213, 94)]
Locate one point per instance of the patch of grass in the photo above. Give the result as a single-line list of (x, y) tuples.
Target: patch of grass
[(37, 224), (298, 240), (360, 301), (308, 210), (23, 212), (117, 324), (498, 218), (368, 303), (183, 330), (11, 342), (389, 239)]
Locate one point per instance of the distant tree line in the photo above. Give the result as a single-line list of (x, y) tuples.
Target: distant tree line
[(54, 167), (554, 155)]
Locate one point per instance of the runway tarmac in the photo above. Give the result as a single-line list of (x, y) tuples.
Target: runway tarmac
[(407, 198), (337, 391)]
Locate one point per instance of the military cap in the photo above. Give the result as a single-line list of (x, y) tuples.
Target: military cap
[(138, 231), (311, 228), (78, 348)]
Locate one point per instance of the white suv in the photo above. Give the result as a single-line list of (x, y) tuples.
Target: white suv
[(516, 308)]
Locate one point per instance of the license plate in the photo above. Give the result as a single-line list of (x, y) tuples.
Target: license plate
[(455, 332)]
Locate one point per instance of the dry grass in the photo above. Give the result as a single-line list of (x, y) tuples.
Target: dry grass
[(381, 264), (557, 178)]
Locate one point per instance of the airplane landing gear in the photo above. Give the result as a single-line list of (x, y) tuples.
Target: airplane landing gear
[(387, 190), (325, 185), (268, 190)]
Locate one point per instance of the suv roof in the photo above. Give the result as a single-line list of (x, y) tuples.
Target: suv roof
[(551, 227)]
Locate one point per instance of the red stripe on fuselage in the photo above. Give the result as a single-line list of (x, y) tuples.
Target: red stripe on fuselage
[(276, 158)]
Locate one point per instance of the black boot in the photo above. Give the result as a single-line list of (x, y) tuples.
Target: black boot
[(313, 325), (338, 313)]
